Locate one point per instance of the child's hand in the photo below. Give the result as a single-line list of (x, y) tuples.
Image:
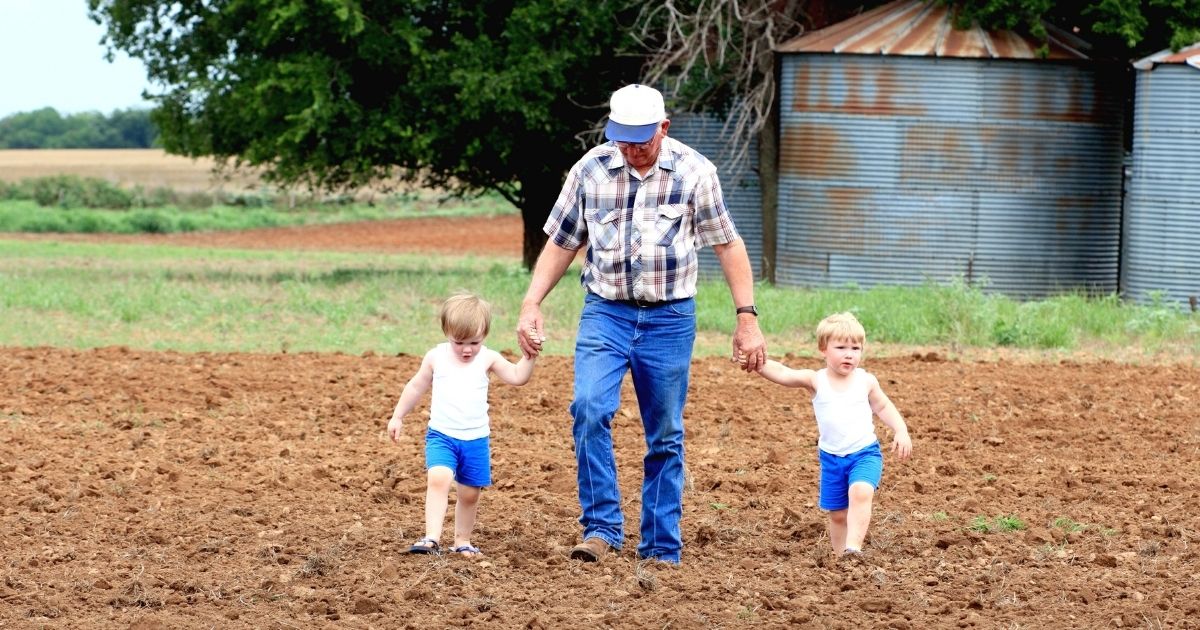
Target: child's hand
[(902, 445), (393, 429)]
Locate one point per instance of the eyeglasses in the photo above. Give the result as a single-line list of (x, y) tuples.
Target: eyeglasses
[(635, 145), (639, 145)]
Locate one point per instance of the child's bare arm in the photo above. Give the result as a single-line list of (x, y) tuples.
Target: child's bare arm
[(883, 407), (413, 390), (777, 372), (517, 374)]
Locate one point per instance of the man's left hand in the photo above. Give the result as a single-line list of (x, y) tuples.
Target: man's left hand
[(749, 346)]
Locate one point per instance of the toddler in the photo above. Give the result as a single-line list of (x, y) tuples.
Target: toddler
[(845, 397), (457, 443)]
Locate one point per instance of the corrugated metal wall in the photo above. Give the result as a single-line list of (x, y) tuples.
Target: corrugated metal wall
[(902, 170), (1162, 223), (743, 195)]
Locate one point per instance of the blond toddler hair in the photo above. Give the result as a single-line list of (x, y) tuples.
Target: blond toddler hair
[(464, 316), (840, 326)]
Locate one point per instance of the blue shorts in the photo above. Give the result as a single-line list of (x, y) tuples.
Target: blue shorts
[(838, 472), (469, 460)]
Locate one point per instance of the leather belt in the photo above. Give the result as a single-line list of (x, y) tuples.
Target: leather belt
[(647, 304)]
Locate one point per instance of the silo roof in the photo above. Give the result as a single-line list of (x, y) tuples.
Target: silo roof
[(1189, 56), (925, 28)]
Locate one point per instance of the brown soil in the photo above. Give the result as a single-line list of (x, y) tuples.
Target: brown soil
[(484, 236), (170, 490)]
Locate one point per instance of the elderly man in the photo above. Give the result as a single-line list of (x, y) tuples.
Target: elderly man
[(643, 203)]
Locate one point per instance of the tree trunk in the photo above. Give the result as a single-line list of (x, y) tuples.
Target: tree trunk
[(540, 191), (768, 181)]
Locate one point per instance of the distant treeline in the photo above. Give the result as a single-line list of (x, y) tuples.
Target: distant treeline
[(46, 129)]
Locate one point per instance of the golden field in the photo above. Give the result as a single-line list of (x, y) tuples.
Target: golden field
[(148, 168), (154, 168)]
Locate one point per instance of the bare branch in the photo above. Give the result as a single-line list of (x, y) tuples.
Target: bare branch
[(719, 46)]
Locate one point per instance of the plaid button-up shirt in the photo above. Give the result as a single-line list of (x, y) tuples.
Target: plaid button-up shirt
[(642, 232)]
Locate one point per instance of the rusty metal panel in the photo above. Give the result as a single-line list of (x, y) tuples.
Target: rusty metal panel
[(910, 21), (903, 170), (1188, 55), (926, 28), (708, 134), (1161, 257)]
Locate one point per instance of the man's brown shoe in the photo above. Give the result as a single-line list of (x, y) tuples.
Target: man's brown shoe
[(590, 550)]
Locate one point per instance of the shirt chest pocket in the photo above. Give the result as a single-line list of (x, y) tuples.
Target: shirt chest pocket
[(668, 223), (604, 229)]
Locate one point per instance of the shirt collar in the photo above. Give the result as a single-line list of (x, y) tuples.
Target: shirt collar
[(666, 157)]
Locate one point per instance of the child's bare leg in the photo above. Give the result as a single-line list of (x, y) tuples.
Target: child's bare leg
[(858, 517), (465, 509), (837, 531), (437, 498)]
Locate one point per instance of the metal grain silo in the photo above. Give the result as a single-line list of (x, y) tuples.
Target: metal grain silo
[(709, 134), (914, 152), (1161, 249)]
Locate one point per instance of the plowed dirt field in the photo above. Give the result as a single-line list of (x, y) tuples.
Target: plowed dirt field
[(168, 490)]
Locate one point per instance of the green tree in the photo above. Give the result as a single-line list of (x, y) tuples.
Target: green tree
[(31, 130), (1117, 29), (46, 129), (133, 128), (467, 96), (83, 130)]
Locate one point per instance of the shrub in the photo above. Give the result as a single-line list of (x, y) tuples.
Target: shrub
[(150, 222), (89, 223), (155, 197), (70, 191), (46, 224)]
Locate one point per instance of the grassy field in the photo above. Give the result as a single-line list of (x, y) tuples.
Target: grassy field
[(82, 296), (27, 216), (147, 191), (173, 298)]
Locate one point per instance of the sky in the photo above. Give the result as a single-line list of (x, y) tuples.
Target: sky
[(51, 56)]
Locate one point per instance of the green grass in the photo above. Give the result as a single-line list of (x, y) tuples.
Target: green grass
[(1067, 524), (80, 295), (958, 316), (21, 215), (999, 524), (86, 295)]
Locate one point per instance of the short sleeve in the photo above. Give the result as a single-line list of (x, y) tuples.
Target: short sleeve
[(714, 226), (566, 226)]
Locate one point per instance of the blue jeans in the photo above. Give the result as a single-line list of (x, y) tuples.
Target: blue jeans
[(654, 344)]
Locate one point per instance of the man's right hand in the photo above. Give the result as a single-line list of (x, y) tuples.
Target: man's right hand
[(530, 334)]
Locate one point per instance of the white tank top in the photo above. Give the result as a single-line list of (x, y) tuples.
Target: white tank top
[(459, 404), (843, 418)]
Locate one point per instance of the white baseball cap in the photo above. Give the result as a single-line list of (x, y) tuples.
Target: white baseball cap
[(634, 113)]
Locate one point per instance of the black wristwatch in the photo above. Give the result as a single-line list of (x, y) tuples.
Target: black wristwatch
[(747, 309)]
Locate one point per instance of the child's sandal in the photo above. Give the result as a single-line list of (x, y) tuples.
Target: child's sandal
[(467, 551), (426, 545)]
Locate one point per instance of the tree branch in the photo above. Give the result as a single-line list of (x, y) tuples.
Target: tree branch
[(722, 52)]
